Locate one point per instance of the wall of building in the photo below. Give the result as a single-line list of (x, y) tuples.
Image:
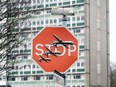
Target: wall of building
[(97, 43)]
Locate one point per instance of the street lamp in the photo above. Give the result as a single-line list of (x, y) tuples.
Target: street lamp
[(64, 12)]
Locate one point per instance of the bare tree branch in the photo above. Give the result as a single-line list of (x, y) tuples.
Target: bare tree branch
[(10, 18)]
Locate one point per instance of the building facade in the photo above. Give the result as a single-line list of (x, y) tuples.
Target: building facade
[(89, 25)]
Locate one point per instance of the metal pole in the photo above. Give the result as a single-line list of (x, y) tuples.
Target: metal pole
[(65, 80), (64, 20)]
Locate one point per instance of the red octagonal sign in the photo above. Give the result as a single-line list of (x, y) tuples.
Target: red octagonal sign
[(54, 48)]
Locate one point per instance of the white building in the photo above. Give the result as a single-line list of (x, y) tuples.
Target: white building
[(89, 25)]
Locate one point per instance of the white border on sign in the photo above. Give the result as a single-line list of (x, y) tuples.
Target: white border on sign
[(39, 33)]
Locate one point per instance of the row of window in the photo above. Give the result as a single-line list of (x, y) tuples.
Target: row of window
[(28, 78), (42, 78), (53, 86), (76, 86), (27, 66), (36, 11), (41, 1), (68, 2), (80, 70), (31, 2), (80, 64), (51, 21), (35, 29)]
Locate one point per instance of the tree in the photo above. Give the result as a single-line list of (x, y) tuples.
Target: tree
[(113, 74), (12, 18)]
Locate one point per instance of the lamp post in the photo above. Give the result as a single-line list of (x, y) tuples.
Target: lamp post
[(64, 12)]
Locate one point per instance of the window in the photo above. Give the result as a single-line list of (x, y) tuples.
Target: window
[(25, 46), (13, 78), (46, 0), (24, 67), (55, 20), (69, 70), (76, 76), (78, 64), (41, 22), (73, 19), (82, 86), (48, 11), (37, 78), (24, 35), (34, 66), (78, 18), (46, 21), (68, 19), (37, 12), (50, 77), (77, 31), (34, 1), (9, 78), (37, 66), (82, 63), (73, 70), (38, 1), (16, 67), (34, 28), (50, 21), (33, 22), (29, 23), (29, 1), (24, 78), (82, 17), (37, 22), (60, 20)]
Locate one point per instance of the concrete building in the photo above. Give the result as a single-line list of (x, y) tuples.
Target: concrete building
[(90, 26)]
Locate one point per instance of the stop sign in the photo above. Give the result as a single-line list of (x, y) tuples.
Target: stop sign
[(54, 48)]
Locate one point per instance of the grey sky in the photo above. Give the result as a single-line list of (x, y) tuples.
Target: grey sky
[(112, 30)]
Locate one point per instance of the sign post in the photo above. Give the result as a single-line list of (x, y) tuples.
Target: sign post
[(59, 79)]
